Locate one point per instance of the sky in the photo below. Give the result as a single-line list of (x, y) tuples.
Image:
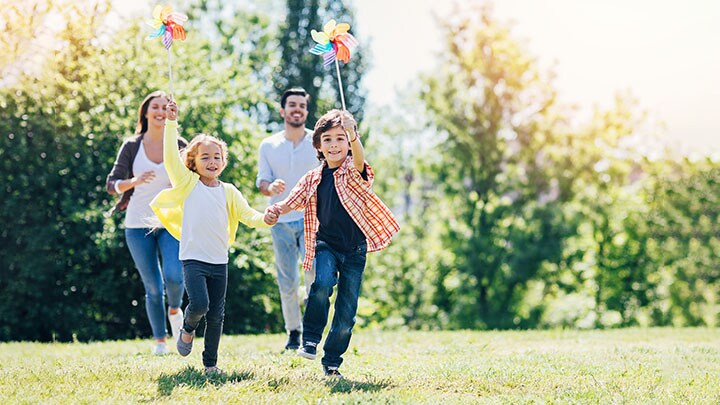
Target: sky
[(666, 53)]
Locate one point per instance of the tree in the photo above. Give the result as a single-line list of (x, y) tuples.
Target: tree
[(683, 227), (299, 68), (500, 168), (66, 273)]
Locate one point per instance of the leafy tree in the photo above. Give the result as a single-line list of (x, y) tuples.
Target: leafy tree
[(297, 67), (398, 286), (66, 271), (501, 171), (683, 217)]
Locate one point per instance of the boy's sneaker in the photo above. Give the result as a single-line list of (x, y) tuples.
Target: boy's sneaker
[(293, 342), (160, 349), (331, 371), (308, 350), (184, 348), (176, 323)]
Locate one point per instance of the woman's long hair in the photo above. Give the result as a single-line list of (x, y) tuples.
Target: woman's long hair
[(142, 122)]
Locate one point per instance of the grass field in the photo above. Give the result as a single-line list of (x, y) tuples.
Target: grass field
[(618, 366)]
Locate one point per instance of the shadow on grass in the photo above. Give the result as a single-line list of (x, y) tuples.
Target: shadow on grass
[(343, 385), (195, 378)]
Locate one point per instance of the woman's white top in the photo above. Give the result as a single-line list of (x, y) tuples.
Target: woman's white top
[(205, 225), (139, 214)]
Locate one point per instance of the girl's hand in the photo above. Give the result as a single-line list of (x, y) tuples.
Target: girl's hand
[(172, 110), (271, 216)]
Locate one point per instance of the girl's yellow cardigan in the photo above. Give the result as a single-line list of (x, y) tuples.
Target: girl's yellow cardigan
[(168, 205)]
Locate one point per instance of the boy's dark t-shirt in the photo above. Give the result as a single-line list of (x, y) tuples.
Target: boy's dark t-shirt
[(337, 228)]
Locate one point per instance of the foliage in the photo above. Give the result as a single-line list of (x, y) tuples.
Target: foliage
[(299, 68), (683, 227), (66, 271), (514, 212), (401, 281), (504, 189)]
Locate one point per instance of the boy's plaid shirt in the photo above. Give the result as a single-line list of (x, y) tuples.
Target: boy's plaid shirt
[(374, 218)]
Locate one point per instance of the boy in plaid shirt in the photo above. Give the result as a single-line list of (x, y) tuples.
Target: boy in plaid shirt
[(344, 220)]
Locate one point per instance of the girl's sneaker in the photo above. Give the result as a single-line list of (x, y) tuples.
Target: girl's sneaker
[(185, 348), (176, 322), (214, 370), (160, 349)]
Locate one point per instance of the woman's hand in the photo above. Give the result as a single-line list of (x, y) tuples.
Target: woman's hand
[(144, 178), (172, 110)]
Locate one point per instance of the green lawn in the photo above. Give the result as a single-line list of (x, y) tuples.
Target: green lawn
[(618, 366)]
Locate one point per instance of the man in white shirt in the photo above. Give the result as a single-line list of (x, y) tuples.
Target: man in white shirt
[(283, 159)]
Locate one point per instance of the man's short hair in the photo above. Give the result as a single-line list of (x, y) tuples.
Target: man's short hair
[(295, 91)]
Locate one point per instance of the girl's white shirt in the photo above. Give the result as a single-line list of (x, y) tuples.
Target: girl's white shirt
[(139, 214), (204, 234)]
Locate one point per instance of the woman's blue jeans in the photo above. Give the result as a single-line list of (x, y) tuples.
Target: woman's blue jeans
[(146, 248), (346, 271)]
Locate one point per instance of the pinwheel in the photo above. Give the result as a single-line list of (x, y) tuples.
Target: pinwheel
[(168, 24), (334, 42)]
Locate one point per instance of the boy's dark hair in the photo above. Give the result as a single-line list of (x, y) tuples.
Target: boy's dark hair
[(331, 119), (295, 91)]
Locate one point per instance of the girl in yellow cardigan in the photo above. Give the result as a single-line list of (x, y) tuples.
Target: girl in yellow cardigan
[(203, 214)]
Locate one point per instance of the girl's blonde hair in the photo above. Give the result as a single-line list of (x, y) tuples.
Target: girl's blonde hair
[(190, 151)]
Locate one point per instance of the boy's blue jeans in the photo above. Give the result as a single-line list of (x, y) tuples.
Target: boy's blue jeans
[(346, 271), (144, 245), (289, 246), (206, 285)]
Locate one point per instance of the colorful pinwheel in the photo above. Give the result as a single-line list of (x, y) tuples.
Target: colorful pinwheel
[(334, 42), (167, 24)]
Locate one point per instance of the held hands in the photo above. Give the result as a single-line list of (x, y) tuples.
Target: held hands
[(271, 215), (172, 110), (276, 187)]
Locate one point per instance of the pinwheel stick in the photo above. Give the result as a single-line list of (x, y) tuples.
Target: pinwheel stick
[(342, 96), (170, 72)]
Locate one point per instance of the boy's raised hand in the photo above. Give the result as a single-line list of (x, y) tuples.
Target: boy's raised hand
[(172, 110), (348, 121)]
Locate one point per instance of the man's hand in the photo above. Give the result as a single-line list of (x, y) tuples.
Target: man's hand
[(276, 187)]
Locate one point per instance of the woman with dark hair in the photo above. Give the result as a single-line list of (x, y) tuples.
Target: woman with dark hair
[(139, 175)]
